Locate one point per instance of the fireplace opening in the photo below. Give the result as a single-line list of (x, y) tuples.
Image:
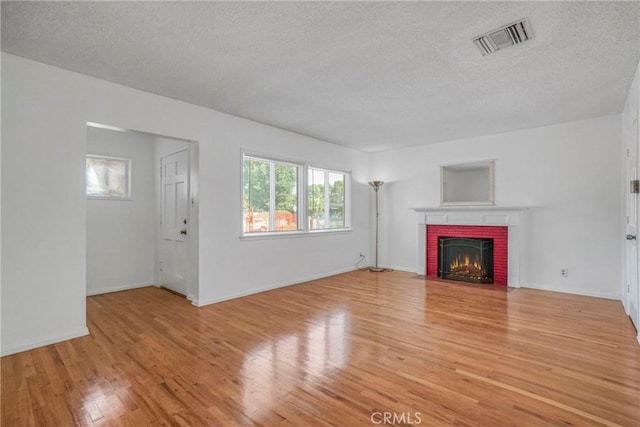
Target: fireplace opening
[(465, 259)]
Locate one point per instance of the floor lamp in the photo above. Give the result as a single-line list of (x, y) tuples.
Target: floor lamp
[(376, 186)]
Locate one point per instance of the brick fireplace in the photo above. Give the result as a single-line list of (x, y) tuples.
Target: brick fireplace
[(497, 234), (501, 224)]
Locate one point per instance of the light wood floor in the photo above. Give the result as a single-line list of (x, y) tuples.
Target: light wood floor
[(334, 352)]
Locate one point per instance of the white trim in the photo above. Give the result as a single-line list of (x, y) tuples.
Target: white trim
[(472, 208), (272, 195), (399, 268), (107, 127), (327, 199), (257, 155), (573, 291), (476, 203), (6, 351), (347, 199), (537, 287), (199, 303), (115, 199), (119, 288), (266, 235), (469, 162)]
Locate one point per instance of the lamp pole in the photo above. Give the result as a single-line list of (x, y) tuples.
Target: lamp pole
[(376, 186)]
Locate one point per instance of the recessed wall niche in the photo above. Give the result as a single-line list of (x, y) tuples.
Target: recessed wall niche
[(467, 184)]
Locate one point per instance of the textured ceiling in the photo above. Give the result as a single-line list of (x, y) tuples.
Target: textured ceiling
[(368, 75)]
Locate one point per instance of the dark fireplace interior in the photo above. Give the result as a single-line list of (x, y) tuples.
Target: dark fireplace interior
[(465, 259)]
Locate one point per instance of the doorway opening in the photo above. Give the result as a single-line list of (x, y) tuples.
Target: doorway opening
[(142, 211)]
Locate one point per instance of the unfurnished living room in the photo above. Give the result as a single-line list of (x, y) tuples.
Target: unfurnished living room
[(320, 213)]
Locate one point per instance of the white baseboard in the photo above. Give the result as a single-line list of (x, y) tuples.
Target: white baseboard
[(12, 349), (606, 295), (118, 288), (400, 268), (202, 303)]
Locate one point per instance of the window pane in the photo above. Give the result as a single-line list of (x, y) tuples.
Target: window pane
[(316, 202), (256, 183), (107, 177), (272, 200), (286, 192), (336, 200)]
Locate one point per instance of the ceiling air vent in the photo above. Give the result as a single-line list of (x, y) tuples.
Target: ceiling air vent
[(509, 35)]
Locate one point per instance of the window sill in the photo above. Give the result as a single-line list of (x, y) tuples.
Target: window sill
[(292, 234), (124, 199)]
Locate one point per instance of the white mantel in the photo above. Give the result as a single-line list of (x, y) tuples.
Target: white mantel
[(511, 217)]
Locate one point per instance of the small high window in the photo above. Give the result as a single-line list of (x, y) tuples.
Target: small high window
[(108, 177)]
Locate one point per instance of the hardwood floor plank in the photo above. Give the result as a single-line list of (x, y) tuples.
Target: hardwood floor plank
[(335, 352)]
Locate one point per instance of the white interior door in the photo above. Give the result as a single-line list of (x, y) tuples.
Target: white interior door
[(174, 221), (632, 260)]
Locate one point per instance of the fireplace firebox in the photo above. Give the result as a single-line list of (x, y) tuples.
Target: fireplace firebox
[(465, 259)]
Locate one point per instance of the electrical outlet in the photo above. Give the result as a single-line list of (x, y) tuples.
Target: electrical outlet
[(564, 272)]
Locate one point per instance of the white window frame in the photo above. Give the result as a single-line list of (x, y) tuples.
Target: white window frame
[(272, 194), (303, 195), (327, 208), (128, 175)]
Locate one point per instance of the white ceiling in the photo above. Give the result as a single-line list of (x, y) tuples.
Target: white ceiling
[(368, 75)]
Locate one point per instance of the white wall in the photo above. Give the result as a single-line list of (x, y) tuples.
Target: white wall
[(43, 208), (121, 234), (44, 115), (568, 175)]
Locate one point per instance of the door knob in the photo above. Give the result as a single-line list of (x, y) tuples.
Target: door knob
[(631, 237), (184, 233)]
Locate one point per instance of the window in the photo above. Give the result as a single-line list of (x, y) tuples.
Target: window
[(271, 199), (274, 199), (326, 199), (108, 177)]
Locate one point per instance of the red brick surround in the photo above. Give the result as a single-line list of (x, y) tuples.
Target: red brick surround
[(500, 247)]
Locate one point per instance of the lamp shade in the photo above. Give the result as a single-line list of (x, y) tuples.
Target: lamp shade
[(376, 184)]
